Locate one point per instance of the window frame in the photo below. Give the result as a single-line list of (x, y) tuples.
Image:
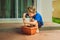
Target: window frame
[(10, 20)]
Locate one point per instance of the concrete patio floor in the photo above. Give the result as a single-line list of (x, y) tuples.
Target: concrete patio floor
[(43, 35), (11, 32)]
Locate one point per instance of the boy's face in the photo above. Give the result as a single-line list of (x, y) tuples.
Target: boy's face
[(31, 14)]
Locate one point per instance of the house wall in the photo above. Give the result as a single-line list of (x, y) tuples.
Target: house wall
[(45, 8)]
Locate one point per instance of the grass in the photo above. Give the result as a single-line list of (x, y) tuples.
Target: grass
[(56, 20)]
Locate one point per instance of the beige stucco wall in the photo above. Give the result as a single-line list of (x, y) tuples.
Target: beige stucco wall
[(45, 8)]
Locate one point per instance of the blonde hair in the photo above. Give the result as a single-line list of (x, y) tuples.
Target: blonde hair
[(31, 9)]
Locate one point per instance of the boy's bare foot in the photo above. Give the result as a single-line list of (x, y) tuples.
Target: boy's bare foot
[(37, 31)]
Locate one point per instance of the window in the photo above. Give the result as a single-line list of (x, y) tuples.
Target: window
[(14, 8), (7, 8)]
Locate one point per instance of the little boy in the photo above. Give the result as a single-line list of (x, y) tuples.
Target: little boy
[(35, 18)]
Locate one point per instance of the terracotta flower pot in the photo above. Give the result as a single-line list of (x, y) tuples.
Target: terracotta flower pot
[(29, 30)]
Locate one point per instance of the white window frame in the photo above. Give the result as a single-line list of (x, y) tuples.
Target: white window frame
[(15, 20)]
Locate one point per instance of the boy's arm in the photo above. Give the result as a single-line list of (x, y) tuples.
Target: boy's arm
[(24, 20), (24, 16), (33, 23)]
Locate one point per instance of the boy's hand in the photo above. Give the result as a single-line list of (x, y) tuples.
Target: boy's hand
[(31, 20), (24, 22)]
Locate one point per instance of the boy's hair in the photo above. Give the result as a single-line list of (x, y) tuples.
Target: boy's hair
[(31, 9)]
